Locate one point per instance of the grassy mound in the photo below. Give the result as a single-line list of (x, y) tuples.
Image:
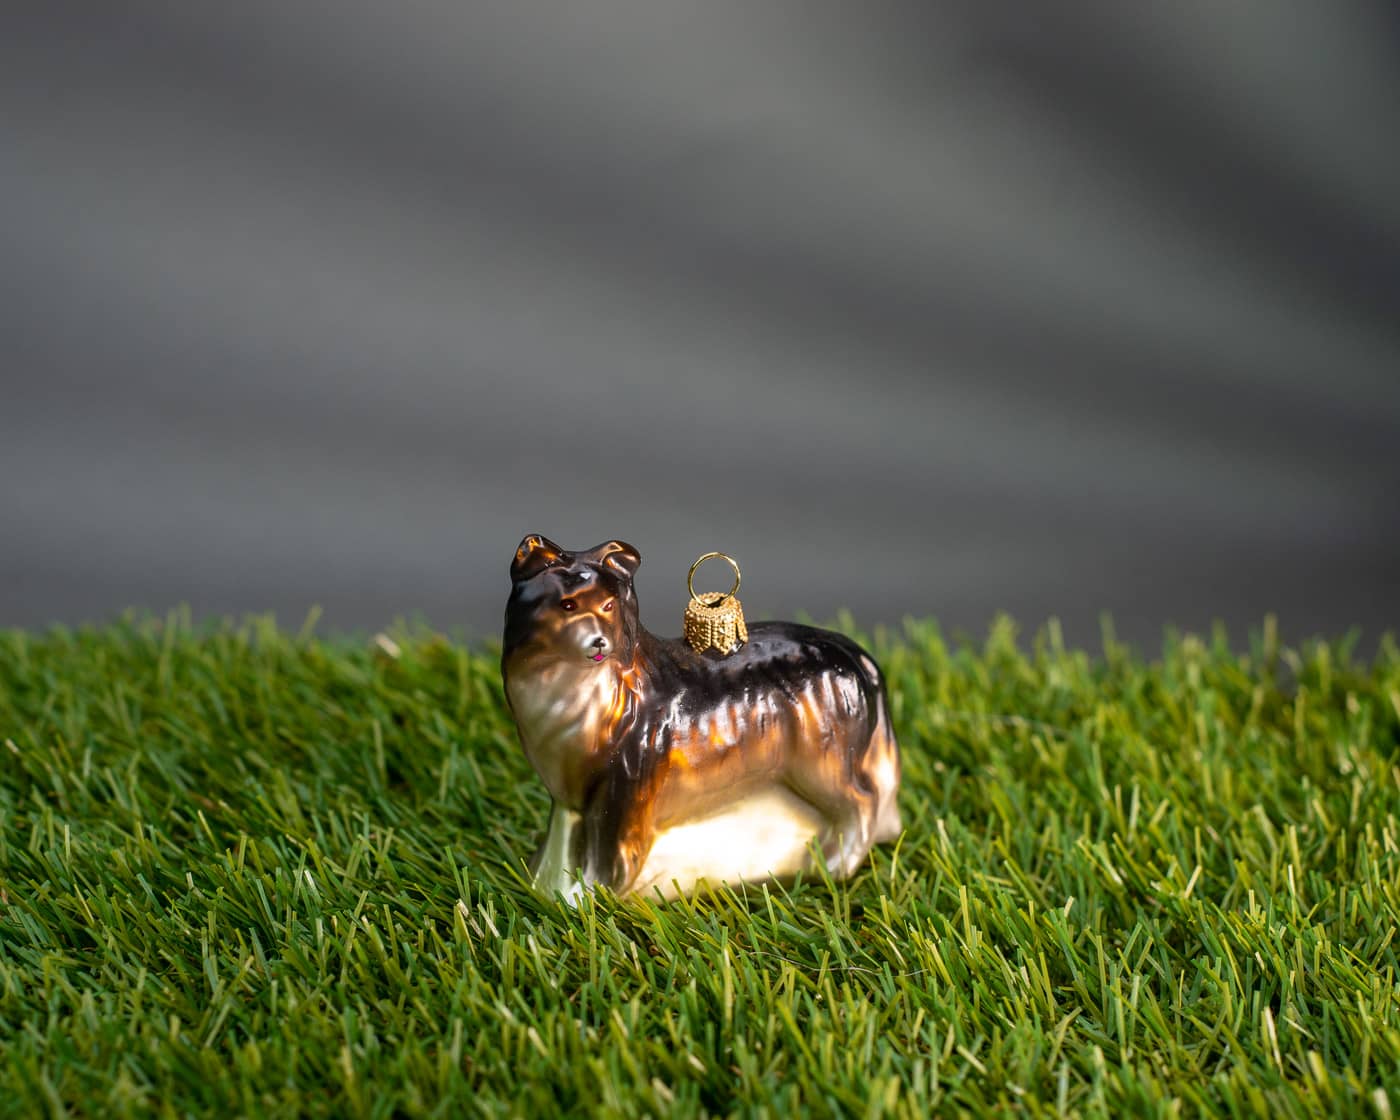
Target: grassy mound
[(244, 871)]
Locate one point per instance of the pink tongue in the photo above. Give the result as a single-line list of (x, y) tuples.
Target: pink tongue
[(597, 657)]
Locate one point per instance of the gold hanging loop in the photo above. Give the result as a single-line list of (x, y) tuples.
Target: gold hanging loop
[(715, 620)]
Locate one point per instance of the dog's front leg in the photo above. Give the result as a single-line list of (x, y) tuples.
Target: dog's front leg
[(618, 833), (556, 866)]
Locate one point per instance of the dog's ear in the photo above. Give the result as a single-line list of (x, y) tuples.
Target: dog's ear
[(535, 554), (621, 557)]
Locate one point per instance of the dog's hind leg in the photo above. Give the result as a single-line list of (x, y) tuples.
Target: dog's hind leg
[(847, 803), (858, 799), (849, 837)]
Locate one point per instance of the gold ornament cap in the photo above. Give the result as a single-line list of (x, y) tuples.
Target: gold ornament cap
[(715, 620)]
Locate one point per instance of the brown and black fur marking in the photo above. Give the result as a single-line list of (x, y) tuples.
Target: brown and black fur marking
[(635, 734)]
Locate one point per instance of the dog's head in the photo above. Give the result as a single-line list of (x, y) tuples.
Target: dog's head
[(575, 606)]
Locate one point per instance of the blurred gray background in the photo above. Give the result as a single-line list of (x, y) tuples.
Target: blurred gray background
[(938, 309)]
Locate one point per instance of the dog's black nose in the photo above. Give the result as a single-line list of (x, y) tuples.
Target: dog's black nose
[(600, 642)]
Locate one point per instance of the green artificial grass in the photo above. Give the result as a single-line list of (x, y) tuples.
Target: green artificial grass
[(244, 871)]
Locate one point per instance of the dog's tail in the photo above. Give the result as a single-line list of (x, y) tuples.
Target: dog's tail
[(882, 766)]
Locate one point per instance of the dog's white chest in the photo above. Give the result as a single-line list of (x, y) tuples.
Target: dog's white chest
[(561, 711)]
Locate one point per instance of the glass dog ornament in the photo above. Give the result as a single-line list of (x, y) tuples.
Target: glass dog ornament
[(668, 767)]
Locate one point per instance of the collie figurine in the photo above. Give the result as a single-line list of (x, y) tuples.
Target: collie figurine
[(668, 767)]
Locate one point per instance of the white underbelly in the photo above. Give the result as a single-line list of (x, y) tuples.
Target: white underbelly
[(766, 835)]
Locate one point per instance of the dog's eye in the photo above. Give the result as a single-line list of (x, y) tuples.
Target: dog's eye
[(568, 604), (608, 605)]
